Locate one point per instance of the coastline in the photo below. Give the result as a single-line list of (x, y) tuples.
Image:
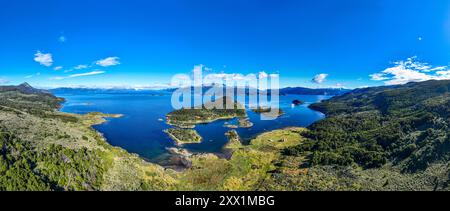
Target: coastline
[(103, 118)]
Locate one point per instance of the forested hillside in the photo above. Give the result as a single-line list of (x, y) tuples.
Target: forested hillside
[(405, 128)]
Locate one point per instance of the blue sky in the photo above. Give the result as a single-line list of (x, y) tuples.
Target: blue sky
[(52, 43)]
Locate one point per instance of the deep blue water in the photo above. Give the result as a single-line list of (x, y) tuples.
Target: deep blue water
[(140, 130)]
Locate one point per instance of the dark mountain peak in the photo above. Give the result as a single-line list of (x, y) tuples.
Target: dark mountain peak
[(25, 85), (25, 88)]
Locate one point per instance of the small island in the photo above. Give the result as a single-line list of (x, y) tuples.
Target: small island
[(297, 102), (206, 113), (245, 123), (183, 136), (241, 123)]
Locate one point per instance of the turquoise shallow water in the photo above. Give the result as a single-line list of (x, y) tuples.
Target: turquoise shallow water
[(140, 131)]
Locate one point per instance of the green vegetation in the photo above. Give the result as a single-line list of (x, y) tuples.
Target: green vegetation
[(383, 138), (43, 149), (245, 123), (234, 141), (407, 125), (392, 136), (207, 113), (183, 136), (241, 123), (248, 167), (56, 168)]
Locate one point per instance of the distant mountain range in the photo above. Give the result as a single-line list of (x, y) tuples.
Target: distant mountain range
[(27, 89), (62, 91), (24, 88), (283, 91), (309, 91)]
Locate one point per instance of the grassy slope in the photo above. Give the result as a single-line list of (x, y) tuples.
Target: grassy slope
[(66, 151), (247, 169)]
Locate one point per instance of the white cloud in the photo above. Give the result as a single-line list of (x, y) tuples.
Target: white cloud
[(262, 75), (209, 78), (438, 68), (31, 76), (198, 69), (222, 78), (110, 61), (378, 77), (401, 75), (58, 78), (58, 68), (274, 75), (81, 66), (411, 71), (43, 59), (443, 73), (97, 72), (62, 39), (320, 78), (4, 81)]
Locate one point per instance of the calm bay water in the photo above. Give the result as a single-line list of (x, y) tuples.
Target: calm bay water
[(140, 130)]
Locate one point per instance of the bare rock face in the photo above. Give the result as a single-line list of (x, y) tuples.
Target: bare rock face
[(180, 157), (180, 161)]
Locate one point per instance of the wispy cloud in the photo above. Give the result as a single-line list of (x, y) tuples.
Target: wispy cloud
[(110, 61), (320, 78), (62, 39), (58, 68), (58, 78), (4, 81), (411, 70), (78, 67), (97, 72), (44, 59), (379, 77), (338, 86), (81, 66), (31, 76)]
